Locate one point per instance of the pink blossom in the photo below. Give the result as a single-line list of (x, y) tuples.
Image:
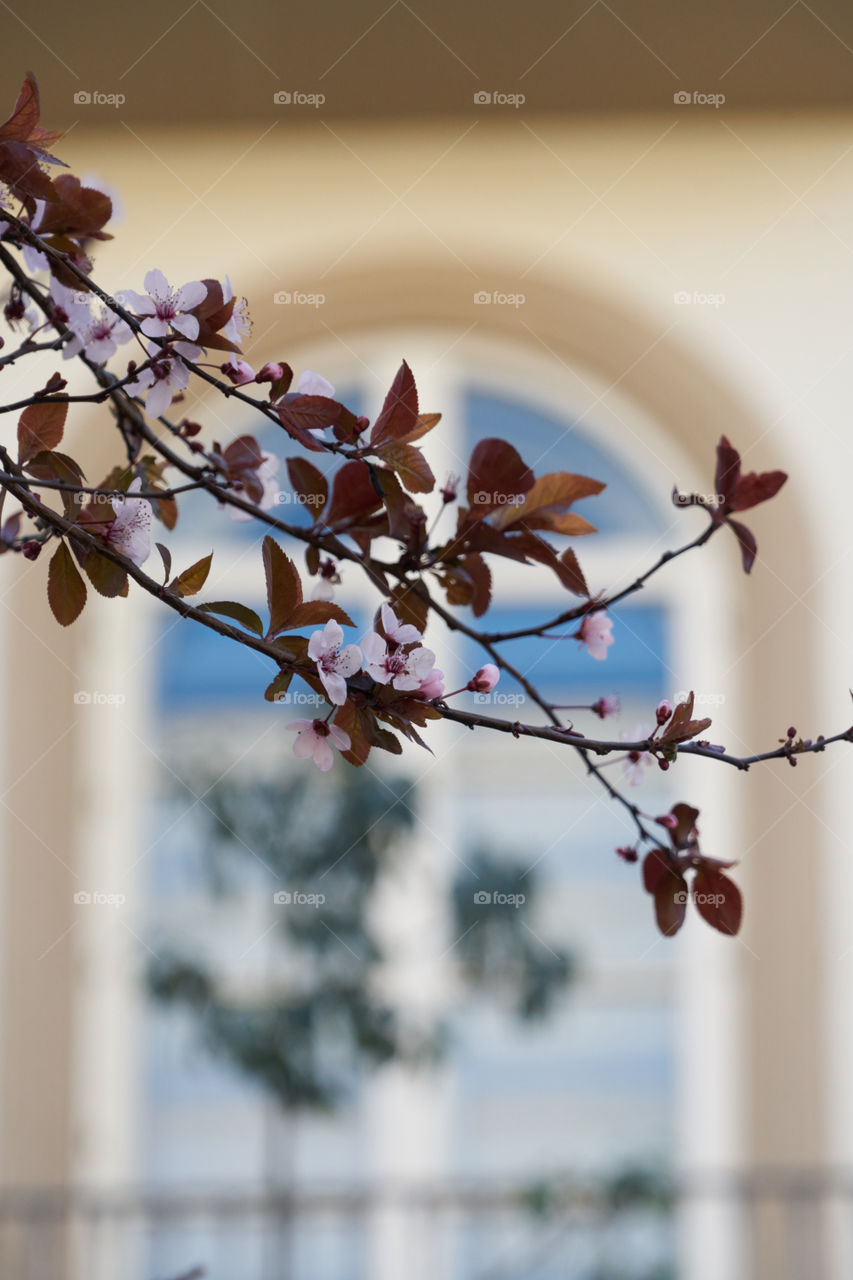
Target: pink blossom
[(606, 706), (130, 532), (663, 712), (433, 685), (94, 328), (636, 762), (166, 307), (335, 661), (270, 373), (485, 679), (391, 664), (313, 384), (395, 630), (239, 326), (315, 738), (266, 473), (595, 632), (164, 377)]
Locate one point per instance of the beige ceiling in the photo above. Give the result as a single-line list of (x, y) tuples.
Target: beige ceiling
[(208, 61)]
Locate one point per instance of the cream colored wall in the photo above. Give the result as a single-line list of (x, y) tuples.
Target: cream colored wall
[(599, 224)]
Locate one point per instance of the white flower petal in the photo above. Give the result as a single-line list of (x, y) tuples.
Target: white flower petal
[(187, 325), (190, 295), (156, 283)]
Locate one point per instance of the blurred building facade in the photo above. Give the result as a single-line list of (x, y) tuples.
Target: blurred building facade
[(634, 282)]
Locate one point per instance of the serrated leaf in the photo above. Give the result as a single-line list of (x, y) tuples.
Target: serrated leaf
[(545, 504), (309, 484), (237, 612), (314, 613), (276, 690), (353, 495), (410, 465), (40, 428), (398, 416), (108, 578), (191, 581), (66, 590), (284, 586)]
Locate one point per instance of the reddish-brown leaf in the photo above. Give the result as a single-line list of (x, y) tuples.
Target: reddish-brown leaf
[(237, 612), (497, 477), (410, 465), (353, 495), (284, 586), (191, 581), (671, 904), (718, 900), (399, 414), (746, 542), (754, 488), (310, 485), (66, 590), (316, 613), (108, 578), (40, 427), (545, 504)]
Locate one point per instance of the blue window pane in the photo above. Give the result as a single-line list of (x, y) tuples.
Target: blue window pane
[(552, 444)]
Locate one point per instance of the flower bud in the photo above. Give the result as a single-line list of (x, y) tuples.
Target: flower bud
[(450, 489), (664, 711), (485, 679), (31, 550), (606, 706), (270, 373), (240, 372)]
